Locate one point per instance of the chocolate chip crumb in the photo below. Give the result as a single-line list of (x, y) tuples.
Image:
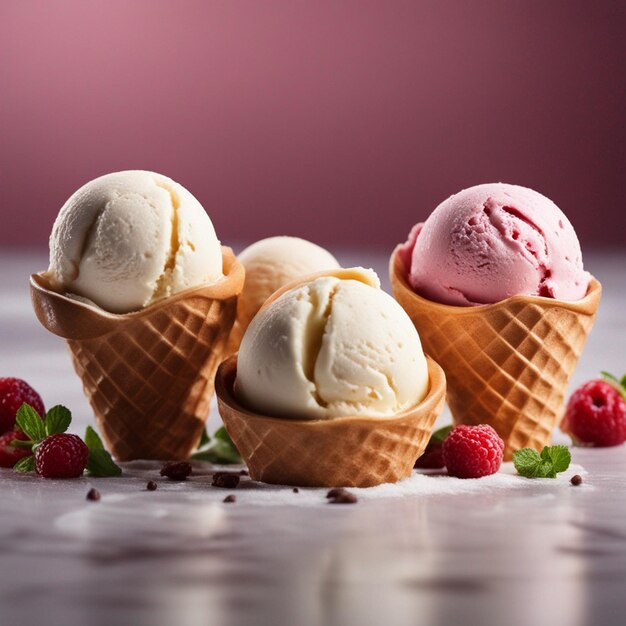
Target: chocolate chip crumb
[(576, 480), (230, 498), (333, 493), (340, 496), (344, 498), (176, 471), (244, 473), (151, 486), (296, 490), (225, 480), (93, 495)]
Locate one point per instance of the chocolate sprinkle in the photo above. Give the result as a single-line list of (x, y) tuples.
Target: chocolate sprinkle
[(176, 471), (340, 496), (225, 480)]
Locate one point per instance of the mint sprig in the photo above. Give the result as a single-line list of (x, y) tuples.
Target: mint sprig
[(439, 435), (25, 465), (92, 439), (99, 462), (57, 420), (30, 423), (551, 461), (221, 450), (620, 385)]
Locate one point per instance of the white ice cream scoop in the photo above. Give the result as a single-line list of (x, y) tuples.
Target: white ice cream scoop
[(128, 239), (332, 347), (273, 262)]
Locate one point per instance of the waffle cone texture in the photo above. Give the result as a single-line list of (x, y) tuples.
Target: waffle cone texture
[(148, 375), (350, 451), (507, 364)]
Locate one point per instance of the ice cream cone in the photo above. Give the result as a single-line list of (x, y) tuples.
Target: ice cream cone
[(338, 452), (149, 374), (507, 364)]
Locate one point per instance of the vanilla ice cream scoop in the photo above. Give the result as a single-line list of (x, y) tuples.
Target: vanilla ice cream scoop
[(337, 345), (128, 239), (272, 263)]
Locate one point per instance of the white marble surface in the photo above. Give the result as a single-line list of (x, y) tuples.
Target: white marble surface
[(426, 552)]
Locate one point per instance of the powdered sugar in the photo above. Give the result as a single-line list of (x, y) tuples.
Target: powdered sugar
[(420, 484)]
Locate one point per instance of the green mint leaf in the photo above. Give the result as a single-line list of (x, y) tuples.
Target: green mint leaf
[(225, 446), (559, 458), (29, 422), (551, 461), (220, 452), (20, 443), (92, 439), (101, 464), (204, 439), (58, 419), (546, 470), (608, 376), (25, 465), (210, 456), (222, 434), (620, 385), (442, 433), (527, 462)]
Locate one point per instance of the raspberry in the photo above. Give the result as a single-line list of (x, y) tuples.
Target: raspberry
[(473, 451), (9, 455), (432, 457), (13, 393), (596, 415), (61, 456)]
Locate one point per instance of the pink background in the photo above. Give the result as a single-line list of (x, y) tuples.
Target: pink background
[(343, 122)]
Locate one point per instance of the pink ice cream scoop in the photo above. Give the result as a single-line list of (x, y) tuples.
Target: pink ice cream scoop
[(490, 242)]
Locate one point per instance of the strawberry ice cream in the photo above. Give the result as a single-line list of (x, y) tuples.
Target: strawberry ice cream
[(490, 242)]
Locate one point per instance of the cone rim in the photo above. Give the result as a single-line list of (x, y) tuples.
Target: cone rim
[(224, 389), (587, 305), (54, 309)]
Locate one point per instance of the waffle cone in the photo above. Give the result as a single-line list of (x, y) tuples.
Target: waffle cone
[(234, 339), (346, 451), (149, 374), (507, 364)]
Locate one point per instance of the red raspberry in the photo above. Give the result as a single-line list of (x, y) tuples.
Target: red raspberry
[(596, 415), (13, 393), (473, 451), (432, 457), (61, 456), (9, 455)]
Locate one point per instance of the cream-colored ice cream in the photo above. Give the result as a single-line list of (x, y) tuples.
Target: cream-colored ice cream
[(272, 263), (331, 347), (128, 239)]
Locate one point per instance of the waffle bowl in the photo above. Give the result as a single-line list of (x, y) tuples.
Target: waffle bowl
[(148, 374), (507, 364), (350, 451)]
